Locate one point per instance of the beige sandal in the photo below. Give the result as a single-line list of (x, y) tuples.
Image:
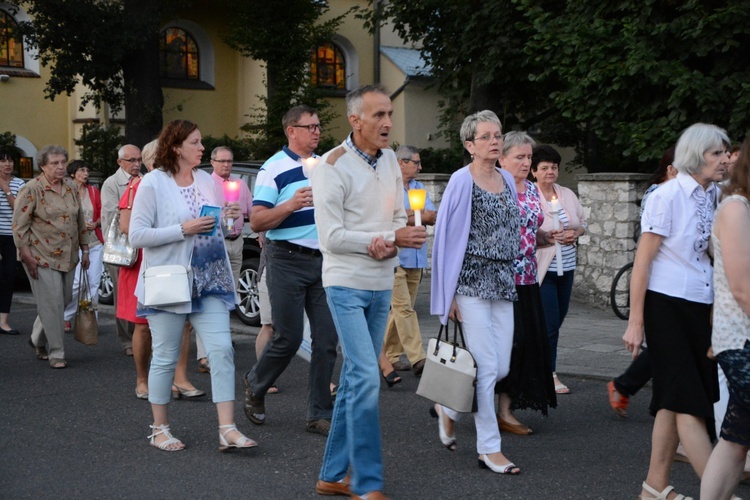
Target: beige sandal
[(165, 445), (661, 495), (242, 442)]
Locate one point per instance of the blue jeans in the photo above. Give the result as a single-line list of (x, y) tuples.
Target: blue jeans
[(555, 292), (354, 440), (212, 326)]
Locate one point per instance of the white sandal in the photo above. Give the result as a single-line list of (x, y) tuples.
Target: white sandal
[(661, 495), (165, 445), (242, 442)]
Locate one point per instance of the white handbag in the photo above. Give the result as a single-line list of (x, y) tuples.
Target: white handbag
[(450, 373), (166, 286)]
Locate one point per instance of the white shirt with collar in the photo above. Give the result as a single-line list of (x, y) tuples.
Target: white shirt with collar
[(112, 190), (678, 269)]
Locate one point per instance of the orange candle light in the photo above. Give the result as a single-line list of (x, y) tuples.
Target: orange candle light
[(417, 199), (308, 165)]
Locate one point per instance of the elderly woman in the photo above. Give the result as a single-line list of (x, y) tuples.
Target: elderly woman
[(473, 280), (9, 187), (731, 329), (48, 228), (127, 306), (529, 383), (670, 300), (166, 223), (91, 203), (556, 284)]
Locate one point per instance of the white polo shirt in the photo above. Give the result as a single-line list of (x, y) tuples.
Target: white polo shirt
[(678, 269)]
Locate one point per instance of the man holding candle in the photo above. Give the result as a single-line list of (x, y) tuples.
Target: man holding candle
[(231, 189), (283, 207), (361, 222), (402, 334)]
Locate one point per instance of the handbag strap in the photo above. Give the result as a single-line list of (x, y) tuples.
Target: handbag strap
[(457, 330), (83, 286)]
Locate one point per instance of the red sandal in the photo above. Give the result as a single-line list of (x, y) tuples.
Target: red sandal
[(618, 402)]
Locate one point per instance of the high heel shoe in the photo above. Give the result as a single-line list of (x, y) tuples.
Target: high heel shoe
[(509, 468), (188, 393), (448, 441), (392, 378), (242, 442), (165, 445)]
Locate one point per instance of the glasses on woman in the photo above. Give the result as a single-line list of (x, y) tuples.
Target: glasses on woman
[(489, 137)]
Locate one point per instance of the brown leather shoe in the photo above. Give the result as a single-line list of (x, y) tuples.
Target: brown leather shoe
[(373, 495), (519, 429), (255, 409), (418, 368), (341, 488)]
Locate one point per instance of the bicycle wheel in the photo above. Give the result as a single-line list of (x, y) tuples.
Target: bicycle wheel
[(619, 294)]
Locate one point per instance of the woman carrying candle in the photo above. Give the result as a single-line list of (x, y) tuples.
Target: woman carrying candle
[(555, 287)]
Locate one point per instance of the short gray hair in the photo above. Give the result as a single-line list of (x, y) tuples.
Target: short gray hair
[(469, 127), (121, 151), (694, 142), (516, 138), (406, 152), (220, 148), (42, 157), (355, 97), (148, 153)]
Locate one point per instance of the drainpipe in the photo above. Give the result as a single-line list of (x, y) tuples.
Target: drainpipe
[(398, 91), (376, 44)]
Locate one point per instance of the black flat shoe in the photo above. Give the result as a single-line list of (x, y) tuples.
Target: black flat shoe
[(9, 332), (392, 378)]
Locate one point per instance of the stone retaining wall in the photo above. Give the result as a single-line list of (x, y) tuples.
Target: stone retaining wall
[(612, 203)]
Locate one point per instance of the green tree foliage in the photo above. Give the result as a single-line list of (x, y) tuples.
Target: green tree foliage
[(617, 80), (99, 148), (283, 36), (112, 47)]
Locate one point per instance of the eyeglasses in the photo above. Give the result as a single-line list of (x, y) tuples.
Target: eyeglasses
[(133, 160), (488, 137), (409, 160), (310, 128), (228, 162)]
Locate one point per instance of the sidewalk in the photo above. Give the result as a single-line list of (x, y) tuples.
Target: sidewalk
[(590, 342)]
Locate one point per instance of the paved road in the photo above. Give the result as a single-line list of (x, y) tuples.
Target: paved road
[(81, 433)]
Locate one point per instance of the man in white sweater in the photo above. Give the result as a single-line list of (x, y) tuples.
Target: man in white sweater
[(359, 212)]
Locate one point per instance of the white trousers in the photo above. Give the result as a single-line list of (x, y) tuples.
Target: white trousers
[(94, 273), (488, 331)]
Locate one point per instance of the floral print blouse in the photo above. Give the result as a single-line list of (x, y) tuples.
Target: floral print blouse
[(532, 217), (51, 224)]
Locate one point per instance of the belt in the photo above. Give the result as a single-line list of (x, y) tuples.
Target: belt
[(232, 238), (292, 247)]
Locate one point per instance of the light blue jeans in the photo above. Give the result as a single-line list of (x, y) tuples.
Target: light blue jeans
[(360, 317), (212, 326)]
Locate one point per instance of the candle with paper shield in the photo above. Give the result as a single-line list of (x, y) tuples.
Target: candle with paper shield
[(231, 195), (555, 205), (416, 203), (308, 165)]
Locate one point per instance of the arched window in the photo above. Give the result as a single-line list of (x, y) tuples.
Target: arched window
[(328, 67), (179, 55), (11, 43)]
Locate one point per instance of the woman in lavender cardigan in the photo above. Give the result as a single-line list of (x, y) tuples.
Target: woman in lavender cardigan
[(473, 278)]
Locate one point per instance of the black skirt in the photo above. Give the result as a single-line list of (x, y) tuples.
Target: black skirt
[(529, 382), (678, 333)]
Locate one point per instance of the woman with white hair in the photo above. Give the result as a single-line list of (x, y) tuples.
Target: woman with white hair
[(671, 292), (477, 236)]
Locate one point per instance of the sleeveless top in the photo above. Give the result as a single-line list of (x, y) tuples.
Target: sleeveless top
[(731, 325)]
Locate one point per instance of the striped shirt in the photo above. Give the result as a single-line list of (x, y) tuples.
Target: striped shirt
[(6, 211), (568, 251), (279, 178)]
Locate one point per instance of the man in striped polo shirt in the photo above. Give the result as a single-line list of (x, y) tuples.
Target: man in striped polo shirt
[(283, 207)]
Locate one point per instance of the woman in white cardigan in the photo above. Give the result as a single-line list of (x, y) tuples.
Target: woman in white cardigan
[(166, 223)]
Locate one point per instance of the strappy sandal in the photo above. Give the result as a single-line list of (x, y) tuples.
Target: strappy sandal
[(41, 352), (242, 442), (165, 445), (57, 363), (661, 495), (619, 402)]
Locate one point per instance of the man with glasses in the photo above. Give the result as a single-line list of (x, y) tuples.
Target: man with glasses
[(129, 159), (283, 207), (402, 334)]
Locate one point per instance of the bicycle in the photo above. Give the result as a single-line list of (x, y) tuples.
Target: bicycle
[(619, 294)]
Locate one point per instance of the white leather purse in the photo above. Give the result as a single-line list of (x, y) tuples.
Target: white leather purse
[(166, 286)]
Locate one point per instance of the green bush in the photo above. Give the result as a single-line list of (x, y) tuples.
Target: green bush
[(99, 148), (247, 149), (442, 160)]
